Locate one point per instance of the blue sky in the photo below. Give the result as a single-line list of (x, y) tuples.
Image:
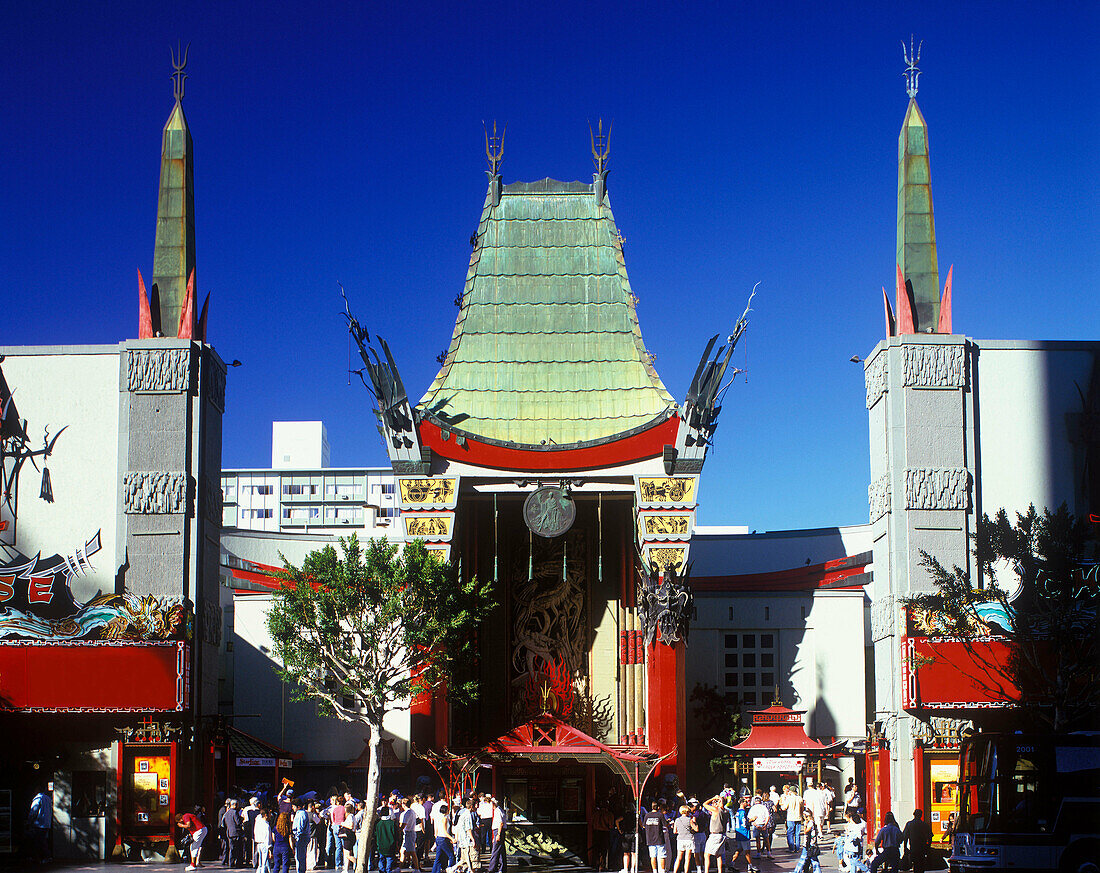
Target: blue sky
[(752, 143)]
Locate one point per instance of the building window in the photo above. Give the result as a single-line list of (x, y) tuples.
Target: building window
[(754, 653), (256, 513), (259, 489), (731, 613), (388, 488), (767, 613)]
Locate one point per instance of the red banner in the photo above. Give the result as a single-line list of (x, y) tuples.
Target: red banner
[(94, 676)]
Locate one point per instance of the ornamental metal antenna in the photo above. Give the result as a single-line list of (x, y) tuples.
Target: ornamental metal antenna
[(601, 145), (179, 66), (912, 71), (494, 147)]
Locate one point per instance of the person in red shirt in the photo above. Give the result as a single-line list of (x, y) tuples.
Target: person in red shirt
[(194, 826)]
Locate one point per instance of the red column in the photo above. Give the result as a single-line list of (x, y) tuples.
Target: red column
[(918, 781), (422, 719), (442, 719), (589, 807), (885, 800), (666, 707)]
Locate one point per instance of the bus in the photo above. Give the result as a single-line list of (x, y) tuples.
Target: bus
[(1028, 802)]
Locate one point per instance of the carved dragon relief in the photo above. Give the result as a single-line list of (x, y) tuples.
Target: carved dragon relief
[(665, 603), (549, 621)]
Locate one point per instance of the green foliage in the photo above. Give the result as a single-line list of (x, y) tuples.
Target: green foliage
[(719, 717), (373, 628), (1052, 613)]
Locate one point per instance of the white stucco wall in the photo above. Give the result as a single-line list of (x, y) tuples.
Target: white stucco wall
[(1026, 398), (76, 388), (716, 552), (294, 726)]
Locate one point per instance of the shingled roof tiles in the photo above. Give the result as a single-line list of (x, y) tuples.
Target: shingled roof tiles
[(546, 347)]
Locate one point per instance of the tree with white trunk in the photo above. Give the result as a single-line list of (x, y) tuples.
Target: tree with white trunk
[(365, 633)]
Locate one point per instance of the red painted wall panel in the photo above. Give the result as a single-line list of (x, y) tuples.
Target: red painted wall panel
[(948, 675), (93, 676)]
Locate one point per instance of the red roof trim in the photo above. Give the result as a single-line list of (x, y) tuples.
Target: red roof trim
[(831, 574), (264, 579), (649, 443)]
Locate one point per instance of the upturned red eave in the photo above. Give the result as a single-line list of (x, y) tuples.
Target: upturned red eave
[(780, 729), (649, 443), (830, 574), (267, 576)]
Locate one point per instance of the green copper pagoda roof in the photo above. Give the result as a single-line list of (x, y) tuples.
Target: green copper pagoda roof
[(174, 251), (546, 348), (916, 253)]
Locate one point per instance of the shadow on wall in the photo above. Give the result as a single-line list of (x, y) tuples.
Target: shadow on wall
[(263, 708)]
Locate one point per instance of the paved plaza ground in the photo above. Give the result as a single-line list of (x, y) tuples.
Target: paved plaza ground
[(782, 863)]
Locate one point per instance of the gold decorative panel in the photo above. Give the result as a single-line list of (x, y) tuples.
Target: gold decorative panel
[(429, 526), (428, 492), (667, 490)]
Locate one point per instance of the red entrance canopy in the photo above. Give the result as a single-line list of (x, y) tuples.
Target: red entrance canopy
[(778, 730), (547, 736)]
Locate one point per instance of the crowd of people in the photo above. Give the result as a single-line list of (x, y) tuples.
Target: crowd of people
[(299, 834), (418, 832), (740, 826)]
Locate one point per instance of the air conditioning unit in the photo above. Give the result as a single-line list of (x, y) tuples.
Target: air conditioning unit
[(345, 521), (343, 496)]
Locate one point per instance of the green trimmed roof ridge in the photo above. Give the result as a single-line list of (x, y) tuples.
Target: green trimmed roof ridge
[(546, 348)]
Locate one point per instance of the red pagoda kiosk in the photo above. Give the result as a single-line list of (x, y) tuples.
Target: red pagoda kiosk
[(778, 743), (548, 457)]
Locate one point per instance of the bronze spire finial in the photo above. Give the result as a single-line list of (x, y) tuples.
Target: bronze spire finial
[(601, 146), (912, 71), (494, 147), (179, 66)]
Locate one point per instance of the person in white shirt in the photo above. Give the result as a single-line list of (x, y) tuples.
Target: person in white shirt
[(824, 812), (760, 819), (262, 838), (444, 841), (484, 821), (813, 799), (406, 820), (498, 861), (791, 804), (417, 806)]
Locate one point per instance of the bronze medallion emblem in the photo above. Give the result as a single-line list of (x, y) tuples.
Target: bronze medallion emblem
[(549, 511)]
